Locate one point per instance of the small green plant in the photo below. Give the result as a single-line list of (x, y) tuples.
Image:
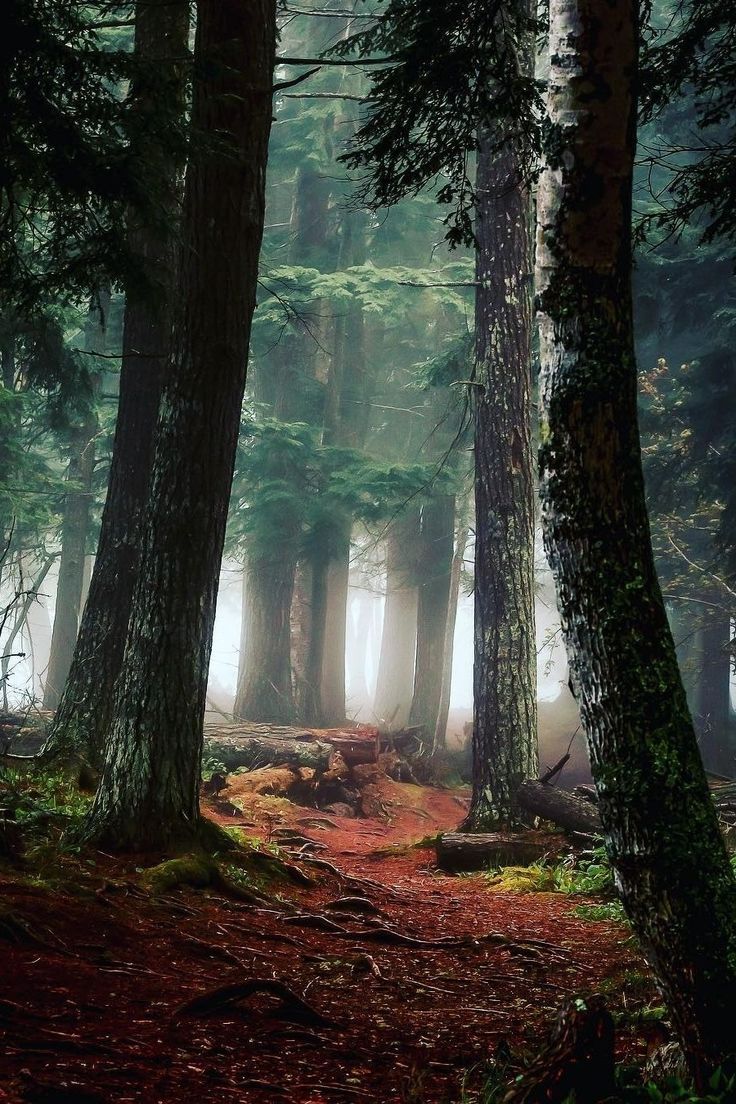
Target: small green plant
[(211, 766), (39, 798)]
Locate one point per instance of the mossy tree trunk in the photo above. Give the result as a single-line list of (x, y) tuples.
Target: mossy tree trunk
[(661, 831), (505, 661), (84, 713), (148, 794)]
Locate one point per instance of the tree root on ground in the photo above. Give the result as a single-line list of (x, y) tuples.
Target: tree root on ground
[(292, 1008)]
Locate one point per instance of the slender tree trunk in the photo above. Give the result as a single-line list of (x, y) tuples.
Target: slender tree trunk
[(713, 693), (448, 647), (360, 632), (345, 424), (436, 542), (75, 524), (505, 668), (264, 688), (661, 831), (395, 682), (301, 632), (312, 711), (333, 667), (83, 717), (148, 794)]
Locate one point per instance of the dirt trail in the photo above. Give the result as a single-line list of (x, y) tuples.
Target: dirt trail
[(88, 1013)]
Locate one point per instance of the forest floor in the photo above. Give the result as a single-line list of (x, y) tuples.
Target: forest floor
[(95, 972)]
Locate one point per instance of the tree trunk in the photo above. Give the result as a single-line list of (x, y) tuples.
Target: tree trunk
[(84, 714), (448, 647), (394, 686), (661, 831), (713, 691), (148, 794), (505, 667), (345, 424), (311, 711), (333, 666), (264, 687), (436, 541), (75, 522)]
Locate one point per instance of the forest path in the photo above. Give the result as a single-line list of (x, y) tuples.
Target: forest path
[(90, 1009)]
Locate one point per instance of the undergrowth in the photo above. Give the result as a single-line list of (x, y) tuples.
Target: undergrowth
[(631, 1088), (589, 875)]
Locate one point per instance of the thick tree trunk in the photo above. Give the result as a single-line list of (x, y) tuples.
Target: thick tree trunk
[(84, 714), (394, 687), (148, 794), (661, 831), (264, 687), (436, 542), (448, 647), (75, 523), (505, 666)]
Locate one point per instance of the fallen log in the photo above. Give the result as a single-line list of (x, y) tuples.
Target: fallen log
[(357, 744), (550, 803), (463, 851), (252, 752)]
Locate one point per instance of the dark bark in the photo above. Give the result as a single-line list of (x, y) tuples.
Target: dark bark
[(264, 687), (670, 864), (505, 666), (148, 794), (75, 522), (394, 687), (84, 713), (572, 813)]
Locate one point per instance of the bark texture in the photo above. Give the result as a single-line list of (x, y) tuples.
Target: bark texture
[(669, 860), (505, 670), (148, 795), (84, 713)]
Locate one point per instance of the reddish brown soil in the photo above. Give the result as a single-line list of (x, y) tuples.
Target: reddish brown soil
[(87, 1012)]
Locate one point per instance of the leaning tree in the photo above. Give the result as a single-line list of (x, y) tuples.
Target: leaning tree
[(148, 795), (661, 831)]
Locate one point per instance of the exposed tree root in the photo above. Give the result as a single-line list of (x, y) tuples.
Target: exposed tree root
[(199, 871), (382, 934), (292, 1008)]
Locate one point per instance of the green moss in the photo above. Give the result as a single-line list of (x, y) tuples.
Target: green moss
[(197, 870)]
